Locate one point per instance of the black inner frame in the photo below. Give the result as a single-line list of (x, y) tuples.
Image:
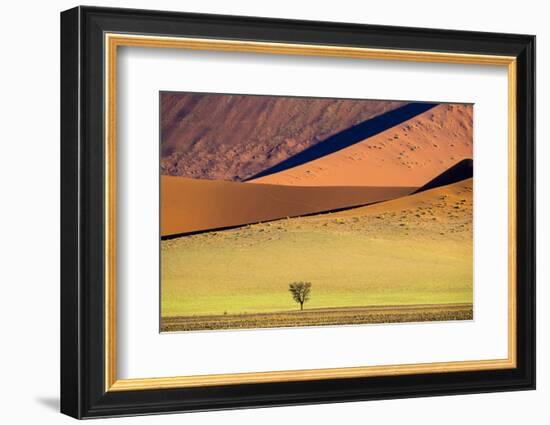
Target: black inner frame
[(82, 212)]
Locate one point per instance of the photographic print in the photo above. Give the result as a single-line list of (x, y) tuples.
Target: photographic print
[(279, 211)]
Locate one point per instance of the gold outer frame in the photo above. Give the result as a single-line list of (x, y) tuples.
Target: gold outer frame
[(113, 41)]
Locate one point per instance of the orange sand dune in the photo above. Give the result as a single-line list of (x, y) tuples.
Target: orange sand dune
[(458, 197), (409, 154), (190, 205)]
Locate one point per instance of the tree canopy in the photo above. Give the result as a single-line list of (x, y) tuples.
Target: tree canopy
[(300, 292)]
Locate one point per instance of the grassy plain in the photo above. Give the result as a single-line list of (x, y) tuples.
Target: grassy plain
[(414, 250)]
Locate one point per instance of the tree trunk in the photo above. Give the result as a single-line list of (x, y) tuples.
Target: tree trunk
[(301, 306)]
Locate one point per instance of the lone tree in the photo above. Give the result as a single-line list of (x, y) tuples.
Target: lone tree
[(300, 292)]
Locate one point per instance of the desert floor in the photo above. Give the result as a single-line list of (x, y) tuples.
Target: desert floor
[(415, 250)]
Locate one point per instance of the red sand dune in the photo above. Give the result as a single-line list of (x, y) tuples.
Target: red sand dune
[(190, 205), (409, 154), (234, 137)]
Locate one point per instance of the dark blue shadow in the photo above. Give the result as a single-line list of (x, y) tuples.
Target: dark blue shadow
[(462, 170), (350, 136)]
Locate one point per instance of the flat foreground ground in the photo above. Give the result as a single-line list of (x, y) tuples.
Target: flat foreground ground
[(321, 317)]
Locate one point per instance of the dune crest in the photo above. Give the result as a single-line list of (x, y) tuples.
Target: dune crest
[(444, 200), (190, 205), (408, 154)]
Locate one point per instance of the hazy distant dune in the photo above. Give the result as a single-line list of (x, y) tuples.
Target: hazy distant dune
[(234, 137)]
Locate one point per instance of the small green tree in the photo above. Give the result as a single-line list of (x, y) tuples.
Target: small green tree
[(300, 292)]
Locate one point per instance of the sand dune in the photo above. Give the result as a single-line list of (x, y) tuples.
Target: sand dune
[(439, 210), (350, 136), (233, 137), (190, 205), (409, 154)]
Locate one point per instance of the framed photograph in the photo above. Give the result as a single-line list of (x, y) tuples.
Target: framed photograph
[(261, 212)]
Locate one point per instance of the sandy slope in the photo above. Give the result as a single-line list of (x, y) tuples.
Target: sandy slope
[(189, 205), (409, 154), (444, 211), (439, 198), (233, 137)]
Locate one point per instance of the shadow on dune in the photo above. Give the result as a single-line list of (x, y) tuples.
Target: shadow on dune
[(350, 136), (462, 170)]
